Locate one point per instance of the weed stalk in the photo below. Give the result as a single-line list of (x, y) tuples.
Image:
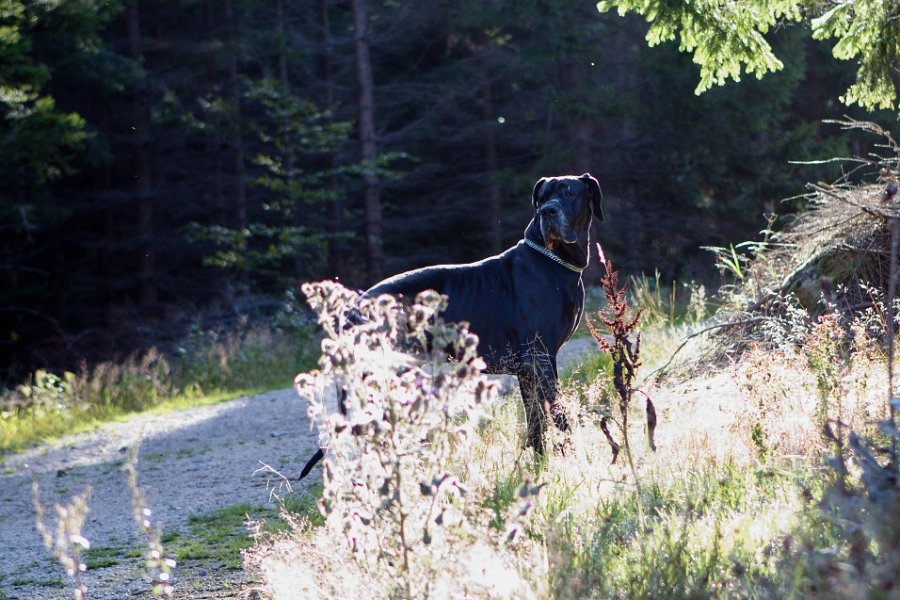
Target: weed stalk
[(159, 568), (626, 360), (66, 542)]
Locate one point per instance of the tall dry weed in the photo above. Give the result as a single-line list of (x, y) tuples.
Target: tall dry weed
[(399, 401), (65, 541), (624, 347), (159, 566)]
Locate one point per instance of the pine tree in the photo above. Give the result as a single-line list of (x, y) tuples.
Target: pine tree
[(728, 39)]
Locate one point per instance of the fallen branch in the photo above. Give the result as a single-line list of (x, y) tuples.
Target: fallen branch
[(701, 332)]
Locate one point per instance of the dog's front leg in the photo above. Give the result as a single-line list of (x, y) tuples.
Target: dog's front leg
[(539, 387)]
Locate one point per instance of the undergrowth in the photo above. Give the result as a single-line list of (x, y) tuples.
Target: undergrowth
[(207, 367), (669, 312), (771, 478), (397, 487)]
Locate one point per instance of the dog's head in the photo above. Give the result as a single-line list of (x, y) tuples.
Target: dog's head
[(564, 207)]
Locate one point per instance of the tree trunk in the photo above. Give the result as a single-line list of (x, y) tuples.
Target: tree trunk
[(239, 210), (372, 201), (108, 267), (333, 205), (214, 142), (282, 42), (237, 140), (141, 167), (581, 125), (287, 158), (495, 237)]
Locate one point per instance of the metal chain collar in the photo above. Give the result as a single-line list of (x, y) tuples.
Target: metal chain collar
[(552, 256)]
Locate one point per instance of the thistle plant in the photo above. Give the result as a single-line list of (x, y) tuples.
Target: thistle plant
[(159, 567), (398, 401), (65, 542)]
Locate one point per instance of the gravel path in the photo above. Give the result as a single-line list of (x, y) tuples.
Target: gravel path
[(192, 462)]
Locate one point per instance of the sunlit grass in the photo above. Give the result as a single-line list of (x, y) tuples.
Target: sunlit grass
[(720, 516), (706, 534), (16, 435), (729, 505), (208, 372), (723, 510), (669, 314)]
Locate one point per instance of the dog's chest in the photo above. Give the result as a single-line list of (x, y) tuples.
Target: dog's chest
[(538, 317)]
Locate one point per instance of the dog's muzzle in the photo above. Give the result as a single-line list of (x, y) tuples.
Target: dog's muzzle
[(554, 223)]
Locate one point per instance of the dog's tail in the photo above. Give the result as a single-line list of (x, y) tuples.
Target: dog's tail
[(313, 461)]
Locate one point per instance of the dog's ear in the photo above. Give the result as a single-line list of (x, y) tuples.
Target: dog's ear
[(537, 191), (596, 194)]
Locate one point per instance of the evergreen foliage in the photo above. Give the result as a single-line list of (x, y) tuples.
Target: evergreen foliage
[(165, 158), (726, 38), (866, 32), (729, 38)]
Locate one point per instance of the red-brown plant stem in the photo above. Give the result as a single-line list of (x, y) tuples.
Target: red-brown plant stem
[(625, 355), (892, 276)]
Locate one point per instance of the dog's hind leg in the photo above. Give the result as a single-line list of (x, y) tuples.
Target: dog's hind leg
[(535, 411), (538, 384)]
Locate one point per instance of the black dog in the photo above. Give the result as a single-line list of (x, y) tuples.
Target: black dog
[(524, 303)]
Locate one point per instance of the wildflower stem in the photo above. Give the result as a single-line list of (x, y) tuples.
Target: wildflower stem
[(892, 277), (626, 360)]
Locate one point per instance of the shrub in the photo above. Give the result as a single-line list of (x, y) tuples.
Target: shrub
[(394, 484), (851, 542), (208, 363)]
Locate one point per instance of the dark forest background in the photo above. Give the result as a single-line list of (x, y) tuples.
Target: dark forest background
[(165, 162)]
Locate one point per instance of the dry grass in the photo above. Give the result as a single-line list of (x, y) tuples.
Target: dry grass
[(769, 479), (833, 258), (210, 366), (732, 488)]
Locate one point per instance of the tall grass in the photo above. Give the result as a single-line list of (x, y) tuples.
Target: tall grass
[(743, 497), (207, 367), (669, 312)]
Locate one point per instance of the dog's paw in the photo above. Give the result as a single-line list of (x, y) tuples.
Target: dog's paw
[(564, 447), (560, 419)]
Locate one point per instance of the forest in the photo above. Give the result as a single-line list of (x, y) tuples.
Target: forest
[(178, 164), (196, 191)]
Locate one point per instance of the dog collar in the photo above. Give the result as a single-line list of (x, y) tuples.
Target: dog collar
[(552, 256)]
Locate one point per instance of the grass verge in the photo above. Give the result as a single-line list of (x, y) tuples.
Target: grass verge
[(207, 369), (217, 539), (757, 489)]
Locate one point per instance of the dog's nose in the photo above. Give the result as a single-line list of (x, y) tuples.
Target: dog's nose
[(549, 210)]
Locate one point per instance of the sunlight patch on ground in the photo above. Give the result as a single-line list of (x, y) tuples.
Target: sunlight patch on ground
[(105, 444)]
